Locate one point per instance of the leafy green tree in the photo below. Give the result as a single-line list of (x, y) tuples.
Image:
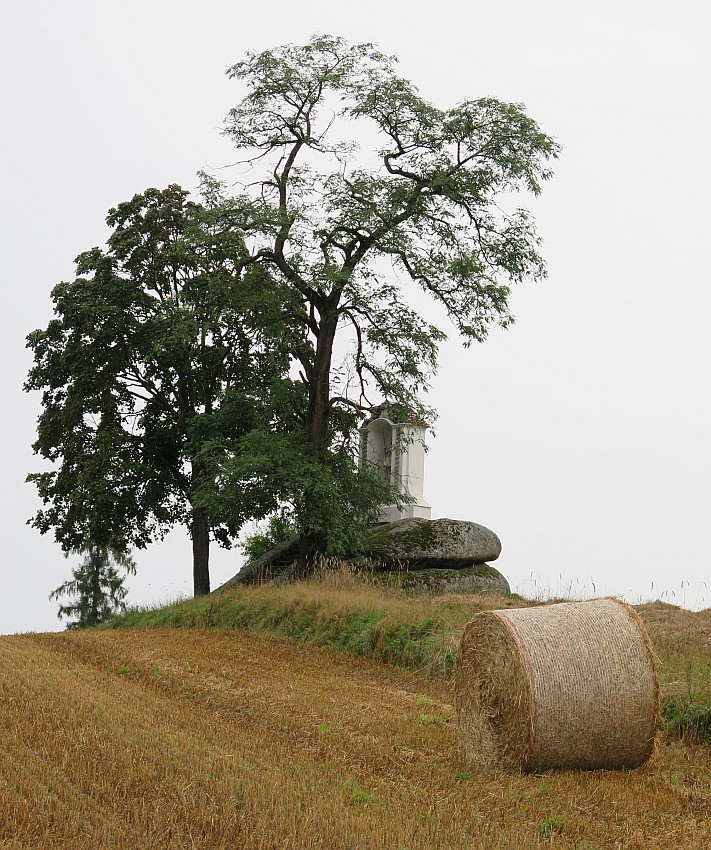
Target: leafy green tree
[(348, 231), (332, 494), (160, 358), (278, 528), (154, 380), (97, 586)]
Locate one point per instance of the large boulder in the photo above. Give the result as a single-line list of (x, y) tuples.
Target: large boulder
[(432, 544), (479, 578), (408, 546)]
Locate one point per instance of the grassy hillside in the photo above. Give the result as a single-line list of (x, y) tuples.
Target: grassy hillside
[(213, 736), (363, 617), (337, 609)]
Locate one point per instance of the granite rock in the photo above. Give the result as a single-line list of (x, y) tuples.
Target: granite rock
[(408, 546), (432, 544), (271, 565), (479, 578)]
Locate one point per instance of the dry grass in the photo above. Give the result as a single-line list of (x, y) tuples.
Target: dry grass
[(197, 739), (338, 609), (682, 642)]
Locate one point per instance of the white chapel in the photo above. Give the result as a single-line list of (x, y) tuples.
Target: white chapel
[(394, 444)]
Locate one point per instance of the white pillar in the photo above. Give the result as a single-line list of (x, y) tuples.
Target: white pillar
[(397, 451)]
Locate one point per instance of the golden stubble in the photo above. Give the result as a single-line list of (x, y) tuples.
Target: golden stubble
[(196, 739)]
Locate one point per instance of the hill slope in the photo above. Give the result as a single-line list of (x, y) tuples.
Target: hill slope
[(175, 739)]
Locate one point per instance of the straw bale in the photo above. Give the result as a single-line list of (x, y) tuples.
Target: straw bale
[(569, 685)]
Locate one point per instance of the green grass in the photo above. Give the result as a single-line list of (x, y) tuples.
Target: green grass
[(349, 613), (685, 674), (433, 719), (550, 825), (362, 619), (425, 644), (687, 720)]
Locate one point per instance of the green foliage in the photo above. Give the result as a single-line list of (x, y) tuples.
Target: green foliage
[(686, 711), (336, 501), (550, 825), (277, 529), (162, 348), (687, 720), (359, 795), (325, 495), (431, 200), (433, 719), (544, 789), (427, 203), (96, 586), (165, 373)]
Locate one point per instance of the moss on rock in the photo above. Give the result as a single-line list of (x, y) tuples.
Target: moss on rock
[(431, 544), (479, 578)]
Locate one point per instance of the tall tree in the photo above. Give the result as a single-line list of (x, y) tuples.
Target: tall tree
[(431, 203), (161, 357), (96, 586)]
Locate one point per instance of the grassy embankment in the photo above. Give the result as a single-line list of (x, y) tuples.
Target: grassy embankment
[(207, 737), (365, 618)]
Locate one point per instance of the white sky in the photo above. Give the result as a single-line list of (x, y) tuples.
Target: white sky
[(580, 436)]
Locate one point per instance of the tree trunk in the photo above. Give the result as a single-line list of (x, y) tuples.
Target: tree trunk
[(312, 543), (95, 561), (320, 386), (200, 533), (312, 546)]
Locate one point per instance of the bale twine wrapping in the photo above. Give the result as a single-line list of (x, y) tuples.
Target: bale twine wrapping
[(569, 685)]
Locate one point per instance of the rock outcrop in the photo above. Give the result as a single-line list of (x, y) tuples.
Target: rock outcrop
[(479, 578), (428, 556), (432, 544), (269, 566)]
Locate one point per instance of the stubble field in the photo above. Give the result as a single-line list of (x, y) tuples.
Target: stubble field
[(206, 739)]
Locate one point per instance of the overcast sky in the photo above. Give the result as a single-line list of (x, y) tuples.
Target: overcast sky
[(581, 435)]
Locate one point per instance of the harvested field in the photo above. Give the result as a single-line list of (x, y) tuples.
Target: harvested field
[(209, 739)]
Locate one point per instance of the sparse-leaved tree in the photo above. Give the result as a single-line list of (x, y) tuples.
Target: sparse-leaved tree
[(427, 199)]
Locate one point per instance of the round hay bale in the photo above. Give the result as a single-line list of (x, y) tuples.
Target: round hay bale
[(570, 685)]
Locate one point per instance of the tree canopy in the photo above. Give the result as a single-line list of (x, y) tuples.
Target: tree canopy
[(345, 229), (212, 364), (160, 358)]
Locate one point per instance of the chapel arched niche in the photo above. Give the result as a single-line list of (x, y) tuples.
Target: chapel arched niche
[(393, 443)]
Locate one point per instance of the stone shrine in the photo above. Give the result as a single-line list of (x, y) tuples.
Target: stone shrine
[(407, 549), (394, 444)]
